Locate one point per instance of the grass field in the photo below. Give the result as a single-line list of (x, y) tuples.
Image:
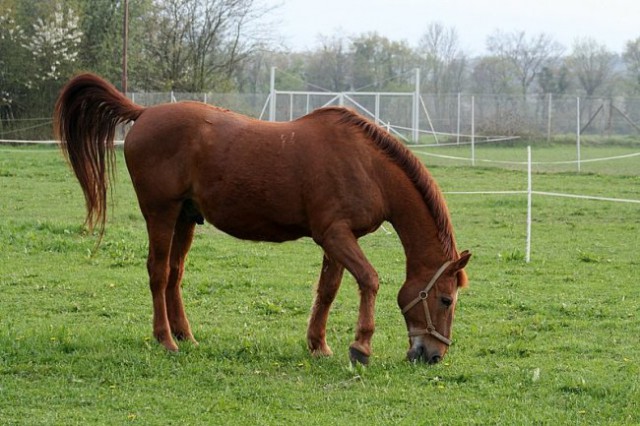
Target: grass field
[(555, 341)]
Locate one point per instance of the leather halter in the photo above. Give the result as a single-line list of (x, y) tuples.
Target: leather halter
[(422, 296)]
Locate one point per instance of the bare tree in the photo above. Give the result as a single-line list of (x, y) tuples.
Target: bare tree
[(198, 44), (328, 66), (442, 58), (631, 58), (525, 56), (490, 75), (592, 64)]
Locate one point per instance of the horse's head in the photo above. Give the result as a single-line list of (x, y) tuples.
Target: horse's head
[(428, 309)]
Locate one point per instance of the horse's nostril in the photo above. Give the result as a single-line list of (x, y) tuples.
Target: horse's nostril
[(415, 353), (435, 359)]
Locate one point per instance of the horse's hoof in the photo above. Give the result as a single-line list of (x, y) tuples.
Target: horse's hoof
[(172, 348), (321, 353), (319, 350), (186, 337), (169, 345), (357, 356)]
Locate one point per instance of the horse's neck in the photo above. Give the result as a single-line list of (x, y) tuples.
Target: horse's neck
[(419, 236)]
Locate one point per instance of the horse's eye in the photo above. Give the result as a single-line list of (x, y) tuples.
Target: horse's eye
[(446, 301)]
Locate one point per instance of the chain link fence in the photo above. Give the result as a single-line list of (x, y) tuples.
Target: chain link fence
[(441, 119), (536, 117)]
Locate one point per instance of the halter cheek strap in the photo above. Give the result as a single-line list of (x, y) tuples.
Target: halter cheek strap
[(422, 296)]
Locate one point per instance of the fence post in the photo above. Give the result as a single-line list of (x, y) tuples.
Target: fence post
[(549, 117), (473, 131), (416, 109), (529, 194), (272, 95), (458, 122), (578, 130)]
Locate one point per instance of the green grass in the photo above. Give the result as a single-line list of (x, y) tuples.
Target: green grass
[(555, 341)]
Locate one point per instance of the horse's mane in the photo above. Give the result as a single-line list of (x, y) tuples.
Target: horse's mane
[(414, 169)]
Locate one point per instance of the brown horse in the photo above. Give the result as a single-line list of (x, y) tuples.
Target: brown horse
[(331, 175)]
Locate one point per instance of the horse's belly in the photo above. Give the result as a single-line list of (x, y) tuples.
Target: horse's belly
[(259, 230)]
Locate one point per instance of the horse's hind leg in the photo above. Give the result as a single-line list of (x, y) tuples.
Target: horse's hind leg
[(330, 278), (160, 227), (182, 238)]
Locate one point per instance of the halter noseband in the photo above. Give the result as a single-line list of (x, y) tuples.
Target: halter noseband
[(422, 296)]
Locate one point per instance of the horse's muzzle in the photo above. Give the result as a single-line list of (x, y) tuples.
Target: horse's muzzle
[(418, 353)]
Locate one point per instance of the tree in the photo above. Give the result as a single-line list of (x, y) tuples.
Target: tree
[(491, 75), (378, 61), (329, 65), (196, 45), (443, 61), (524, 56), (12, 60), (39, 47), (554, 80), (592, 64), (101, 45), (54, 44), (631, 57)]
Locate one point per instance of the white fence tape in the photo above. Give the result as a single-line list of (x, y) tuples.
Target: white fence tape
[(530, 192)]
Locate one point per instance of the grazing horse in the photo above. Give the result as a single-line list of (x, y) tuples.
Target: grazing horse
[(331, 175)]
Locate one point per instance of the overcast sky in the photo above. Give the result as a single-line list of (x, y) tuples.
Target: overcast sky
[(610, 22)]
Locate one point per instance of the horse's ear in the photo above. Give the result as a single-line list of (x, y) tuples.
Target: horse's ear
[(459, 264), (462, 261)]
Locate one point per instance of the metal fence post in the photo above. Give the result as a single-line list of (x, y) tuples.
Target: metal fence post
[(416, 109), (578, 130), (272, 95)]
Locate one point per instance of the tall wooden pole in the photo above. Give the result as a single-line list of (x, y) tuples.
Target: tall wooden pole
[(125, 40)]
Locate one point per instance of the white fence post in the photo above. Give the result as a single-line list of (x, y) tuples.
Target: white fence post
[(473, 131), (416, 109), (549, 113), (529, 194), (578, 130), (272, 95), (458, 122)]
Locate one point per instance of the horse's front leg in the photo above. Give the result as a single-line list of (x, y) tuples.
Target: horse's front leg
[(328, 285), (340, 244)]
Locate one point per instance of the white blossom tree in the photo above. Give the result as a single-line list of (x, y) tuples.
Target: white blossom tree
[(11, 39), (54, 44)]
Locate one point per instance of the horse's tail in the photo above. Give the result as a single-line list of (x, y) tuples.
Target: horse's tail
[(86, 114)]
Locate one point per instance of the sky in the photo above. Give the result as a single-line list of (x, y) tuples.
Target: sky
[(610, 22)]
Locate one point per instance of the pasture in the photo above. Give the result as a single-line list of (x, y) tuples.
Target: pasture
[(555, 341)]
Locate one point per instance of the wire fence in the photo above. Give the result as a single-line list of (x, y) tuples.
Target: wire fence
[(445, 118), (568, 133)]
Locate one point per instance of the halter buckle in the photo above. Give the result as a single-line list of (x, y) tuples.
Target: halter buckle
[(423, 295)]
